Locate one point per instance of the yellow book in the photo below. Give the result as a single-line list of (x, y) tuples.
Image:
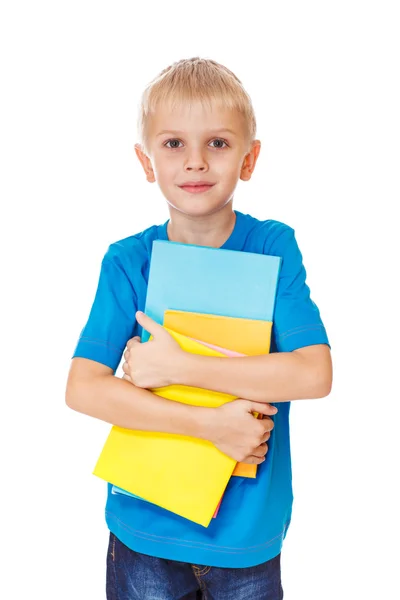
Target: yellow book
[(185, 475), (247, 336)]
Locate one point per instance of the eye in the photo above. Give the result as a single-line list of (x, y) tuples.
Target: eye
[(175, 147), (220, 140), (169, 141)]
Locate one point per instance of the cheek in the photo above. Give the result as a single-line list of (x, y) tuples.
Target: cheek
[(166, 169), (228, 171)]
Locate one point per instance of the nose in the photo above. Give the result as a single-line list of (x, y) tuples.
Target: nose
[(195, 161)]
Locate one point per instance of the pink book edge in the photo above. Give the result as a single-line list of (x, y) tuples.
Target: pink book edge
[(217, 509), (219, 349)]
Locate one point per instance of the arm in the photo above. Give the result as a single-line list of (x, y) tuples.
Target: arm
[(276, 377), (92, 389)]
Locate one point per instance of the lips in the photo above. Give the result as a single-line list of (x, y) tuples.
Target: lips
[(196, 188)]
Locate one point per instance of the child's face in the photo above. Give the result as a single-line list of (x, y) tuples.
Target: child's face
[(198, 144)]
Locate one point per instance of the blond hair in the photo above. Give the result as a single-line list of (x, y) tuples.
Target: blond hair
[(195, 79)]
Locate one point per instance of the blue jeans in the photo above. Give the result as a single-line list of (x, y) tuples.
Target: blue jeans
[(135, 576)]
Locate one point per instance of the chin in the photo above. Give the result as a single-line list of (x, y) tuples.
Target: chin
[(198, 208), (198, 212)]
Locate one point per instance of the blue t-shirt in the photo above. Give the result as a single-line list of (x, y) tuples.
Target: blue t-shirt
[(255, 513)]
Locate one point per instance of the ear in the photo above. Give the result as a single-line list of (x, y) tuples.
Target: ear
[(145, 162), (250, 160)]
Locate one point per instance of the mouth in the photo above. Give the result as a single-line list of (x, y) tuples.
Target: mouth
[(196, 189)]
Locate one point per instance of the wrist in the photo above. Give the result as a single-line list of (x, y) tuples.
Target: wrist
[(182, 366), (208, 423), (203, 423)]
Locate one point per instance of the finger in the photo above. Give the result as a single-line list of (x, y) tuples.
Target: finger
[(267, 424), (126, 355), (127, 378), (125, 368), (261, 450), (149, 325), (132, 341), (262, 407), (253, 460), (266, 436)]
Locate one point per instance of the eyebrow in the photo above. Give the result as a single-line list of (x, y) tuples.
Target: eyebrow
[(223, 130)]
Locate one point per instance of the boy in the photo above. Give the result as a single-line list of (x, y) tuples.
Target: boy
[(197, 131)]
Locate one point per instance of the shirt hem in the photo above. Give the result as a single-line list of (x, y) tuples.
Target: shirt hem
[(186, 551)]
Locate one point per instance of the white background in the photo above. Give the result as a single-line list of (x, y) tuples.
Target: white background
[(324, 79)]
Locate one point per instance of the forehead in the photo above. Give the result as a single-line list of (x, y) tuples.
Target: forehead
[(194, 117)]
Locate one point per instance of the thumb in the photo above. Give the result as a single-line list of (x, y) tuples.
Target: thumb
[(263, 407), (148, 324)]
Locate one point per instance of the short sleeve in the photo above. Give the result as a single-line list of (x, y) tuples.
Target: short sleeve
[(297, 321), (112, 317)]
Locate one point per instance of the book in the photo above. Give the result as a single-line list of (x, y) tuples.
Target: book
[(205, 280), (246, 337), (211, 281), (117, 490)]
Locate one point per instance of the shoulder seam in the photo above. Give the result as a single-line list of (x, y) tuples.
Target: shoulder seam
[(285, 230)]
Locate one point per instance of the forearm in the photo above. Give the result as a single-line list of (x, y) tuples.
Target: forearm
[(120, 403), (276, 377)]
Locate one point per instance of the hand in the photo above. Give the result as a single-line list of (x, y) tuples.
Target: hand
[(125, 366), (234, 430), (152, 364)]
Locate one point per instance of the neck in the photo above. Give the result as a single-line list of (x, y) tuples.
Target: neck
[(210, 230)]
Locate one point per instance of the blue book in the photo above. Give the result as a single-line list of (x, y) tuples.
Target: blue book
[(210, 281)]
